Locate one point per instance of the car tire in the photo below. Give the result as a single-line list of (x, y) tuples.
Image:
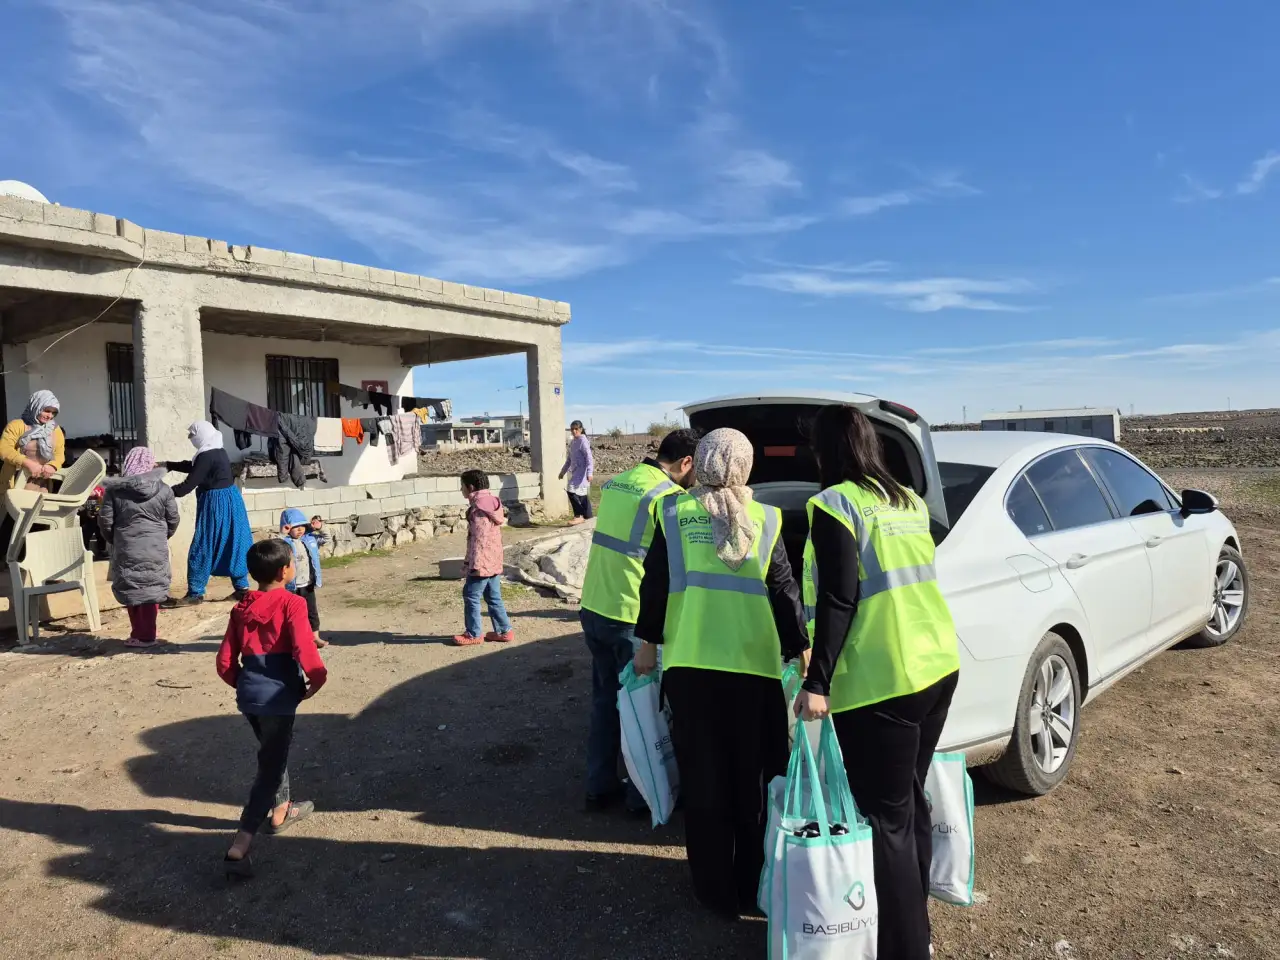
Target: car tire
[(1037, 758), (1230, 580)]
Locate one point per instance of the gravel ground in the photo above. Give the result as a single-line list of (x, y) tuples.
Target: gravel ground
[(448, 783)]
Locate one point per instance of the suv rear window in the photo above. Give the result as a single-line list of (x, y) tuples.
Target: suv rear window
[(960, 484)]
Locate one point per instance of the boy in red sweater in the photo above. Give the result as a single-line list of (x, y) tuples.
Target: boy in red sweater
[(269, 655)]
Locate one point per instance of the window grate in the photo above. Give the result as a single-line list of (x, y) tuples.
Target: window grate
[(121, 409), (300, 385)]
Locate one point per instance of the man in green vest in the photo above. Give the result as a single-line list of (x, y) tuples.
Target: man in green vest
[(611, 600)]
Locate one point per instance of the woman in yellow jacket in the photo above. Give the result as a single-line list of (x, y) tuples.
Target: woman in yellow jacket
[(33, 447), (885, 659)]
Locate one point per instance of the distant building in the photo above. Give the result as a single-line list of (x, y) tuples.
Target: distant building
[(509, 431), (1100, 422)]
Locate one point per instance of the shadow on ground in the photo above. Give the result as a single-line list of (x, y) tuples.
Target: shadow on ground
[(491, 744)]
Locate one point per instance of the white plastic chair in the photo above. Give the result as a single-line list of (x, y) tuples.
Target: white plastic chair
[(56, 561), (59, 509)]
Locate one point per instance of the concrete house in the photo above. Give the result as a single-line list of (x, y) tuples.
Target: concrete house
[(1100, 422), (132, 327)]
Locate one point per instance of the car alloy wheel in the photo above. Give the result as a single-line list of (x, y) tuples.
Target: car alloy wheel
[(1230, 600), (1046, 724), (1051, 719)]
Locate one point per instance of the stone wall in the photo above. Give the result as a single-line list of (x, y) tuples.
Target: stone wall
[(378, 516)]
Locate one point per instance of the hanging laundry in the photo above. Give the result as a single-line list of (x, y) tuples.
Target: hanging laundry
[(370, 426), (383, 403), (328, 435), (386, 430), (233, 412), (354, 396), (294, 448), (406, 434), (440, 409), (354, 429), (423, 415)]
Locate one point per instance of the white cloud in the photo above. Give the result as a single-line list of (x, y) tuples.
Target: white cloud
[(931, 188), (1258, 174), (1069, 343), (1195, 190), (922, 295), (235, 101)]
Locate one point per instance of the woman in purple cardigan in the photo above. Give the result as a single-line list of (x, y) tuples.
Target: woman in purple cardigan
[(581, 469)]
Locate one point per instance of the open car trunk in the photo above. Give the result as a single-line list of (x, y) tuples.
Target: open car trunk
[(785, 473)]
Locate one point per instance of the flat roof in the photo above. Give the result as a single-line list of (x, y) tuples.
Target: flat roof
[(1040, 414)]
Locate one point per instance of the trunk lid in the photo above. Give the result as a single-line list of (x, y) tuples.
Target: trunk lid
[(785, 472)]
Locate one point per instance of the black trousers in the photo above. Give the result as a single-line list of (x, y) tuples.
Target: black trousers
[(887, 749), (271, 786), (730, 736), (313, 606), (581, 503)]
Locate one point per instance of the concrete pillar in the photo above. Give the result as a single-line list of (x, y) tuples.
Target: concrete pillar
[(546, 422), (168, 358)]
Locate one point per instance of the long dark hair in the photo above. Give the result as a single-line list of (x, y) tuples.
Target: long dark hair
[(848, 449)]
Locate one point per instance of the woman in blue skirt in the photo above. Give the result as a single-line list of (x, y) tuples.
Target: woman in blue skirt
[(223, 538)]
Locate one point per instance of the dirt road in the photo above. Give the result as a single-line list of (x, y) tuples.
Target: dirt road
[(448, 785)]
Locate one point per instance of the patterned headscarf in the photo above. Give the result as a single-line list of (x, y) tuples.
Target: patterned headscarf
[(42, 433), (204, 436), (722, 465), (138, 461)]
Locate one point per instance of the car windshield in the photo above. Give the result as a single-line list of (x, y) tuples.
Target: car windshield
[(960, 484)]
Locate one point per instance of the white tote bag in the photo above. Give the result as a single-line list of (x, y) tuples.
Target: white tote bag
[(950, 794), (647, 749), (820, 884)]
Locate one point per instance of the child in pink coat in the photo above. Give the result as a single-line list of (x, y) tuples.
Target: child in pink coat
[(483, 566)]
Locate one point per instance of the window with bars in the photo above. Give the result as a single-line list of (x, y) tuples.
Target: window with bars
[(121, 411), (299, 385)]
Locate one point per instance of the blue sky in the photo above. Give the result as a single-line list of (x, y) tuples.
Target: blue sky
[(957, 206)]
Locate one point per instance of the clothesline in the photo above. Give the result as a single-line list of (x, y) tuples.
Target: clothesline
[(294, 440), (440, 409)]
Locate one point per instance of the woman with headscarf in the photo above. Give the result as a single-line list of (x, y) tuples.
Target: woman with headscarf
[(33, 447), (222, 537), (139, 514), (885, 659), (719, 596)]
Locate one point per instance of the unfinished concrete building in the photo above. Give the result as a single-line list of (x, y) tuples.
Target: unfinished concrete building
[(131, 328)]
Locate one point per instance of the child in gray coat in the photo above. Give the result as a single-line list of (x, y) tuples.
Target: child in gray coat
[(139, 514)]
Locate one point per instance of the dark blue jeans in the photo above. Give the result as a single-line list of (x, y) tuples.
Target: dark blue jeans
[(611, 650)]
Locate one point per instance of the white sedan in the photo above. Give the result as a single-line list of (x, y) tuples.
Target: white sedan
[(1066, 562)]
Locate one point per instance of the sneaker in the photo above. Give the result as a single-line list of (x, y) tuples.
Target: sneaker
[(240, 595), (188, 601), (466, 640), (599, 802), (501, 637)]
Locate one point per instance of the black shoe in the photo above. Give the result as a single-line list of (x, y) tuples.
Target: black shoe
[(599, 802), (187, 601), (239, 595)]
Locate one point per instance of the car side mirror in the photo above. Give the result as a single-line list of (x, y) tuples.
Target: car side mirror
[(1198, 502)]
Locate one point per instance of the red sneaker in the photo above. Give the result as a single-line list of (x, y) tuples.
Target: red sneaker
[(507, 637), (466, 640)]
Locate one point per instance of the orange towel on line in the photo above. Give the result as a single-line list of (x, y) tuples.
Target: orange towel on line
[(351, 428)]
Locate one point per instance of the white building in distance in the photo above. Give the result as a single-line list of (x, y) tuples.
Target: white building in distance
[(1100, 422)]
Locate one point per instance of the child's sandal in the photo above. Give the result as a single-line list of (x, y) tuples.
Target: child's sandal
[(296, 812)]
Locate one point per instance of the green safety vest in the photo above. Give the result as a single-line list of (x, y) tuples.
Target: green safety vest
[(624, 531), (902, 638), (717, 618)]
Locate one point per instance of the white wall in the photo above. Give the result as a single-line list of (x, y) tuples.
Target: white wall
[(75, 370), (238, 365)]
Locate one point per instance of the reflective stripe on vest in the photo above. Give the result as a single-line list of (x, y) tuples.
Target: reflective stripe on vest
[(717, 618), (634, 546), (902, 638), (624, 531)]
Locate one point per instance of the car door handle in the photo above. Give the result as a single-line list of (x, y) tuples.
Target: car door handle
[(1154, 541), (1076, 561)]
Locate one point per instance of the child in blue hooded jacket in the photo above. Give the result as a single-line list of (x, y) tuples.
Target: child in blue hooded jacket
[(295, 529)]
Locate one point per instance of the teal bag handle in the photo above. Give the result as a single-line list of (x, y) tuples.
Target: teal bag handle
[(843, 808), (804, 766)]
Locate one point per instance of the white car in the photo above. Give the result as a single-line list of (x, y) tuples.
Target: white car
[(1066, 563)]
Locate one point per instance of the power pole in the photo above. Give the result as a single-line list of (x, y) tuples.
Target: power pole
[(964, 415)]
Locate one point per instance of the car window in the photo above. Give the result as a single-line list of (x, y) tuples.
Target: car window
[(960, 484), (1025, 509), (1134, 490), (1068, 491)]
